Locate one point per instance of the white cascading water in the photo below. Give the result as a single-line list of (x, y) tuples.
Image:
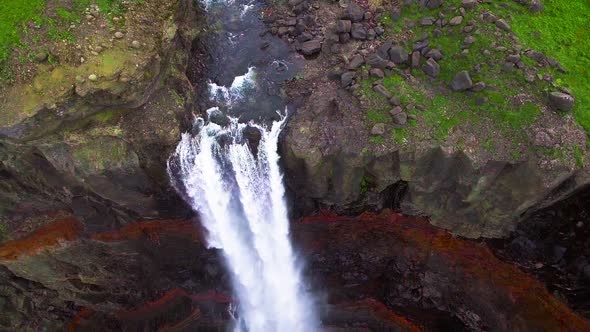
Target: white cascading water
[(240, 198)]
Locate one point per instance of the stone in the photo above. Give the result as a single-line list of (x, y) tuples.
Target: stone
[(347, 78), (303, 37), (396, 110), (435, 53), (92, 77), (456, 20), (356, 62), (461, 81), (514, 58), (135, 44), (536, 6), (343, 26), (371, 34), (311, 47), (376, 61), (468, 3), (503, 25), (561, 101), (398, 55), (376, 72), (400, 118), (420, 44), (469, 40), (355, 13), (416, 59), (119, 35), (382, 90), (383, 50), (431, 68), (479, 86), (395, 101), (426, 21), (41, 56), (344, 38), (358, 31), (508, 67), (378, 129), (379, 30), (432, 4)]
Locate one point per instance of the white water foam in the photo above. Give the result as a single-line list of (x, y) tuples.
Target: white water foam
[(237, 89), (240, 198)]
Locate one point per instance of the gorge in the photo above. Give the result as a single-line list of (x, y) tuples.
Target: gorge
[(176, 165)]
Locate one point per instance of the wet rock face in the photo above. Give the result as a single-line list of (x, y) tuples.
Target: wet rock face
[(372, 271)]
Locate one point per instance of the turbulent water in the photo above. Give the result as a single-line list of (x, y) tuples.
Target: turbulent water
[(235, 183)]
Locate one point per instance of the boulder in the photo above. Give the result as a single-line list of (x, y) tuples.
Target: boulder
[(561, 101), (382, 90), (435, 53), (356, 61), (376, 61), (347, 78), (355, 12), (456, 20), (502, 24), (398, 55), (431, 68), (461, 81), (358, 31), (378, 129), (416, 59), (376, 72), (311, 47), (343, 26)]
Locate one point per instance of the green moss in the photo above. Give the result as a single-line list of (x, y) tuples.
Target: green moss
[(376, 139), (13, 15), (579, 156), (400, 135), (562, 31)]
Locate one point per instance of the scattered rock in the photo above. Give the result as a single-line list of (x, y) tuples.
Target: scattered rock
[(347, 78), (468, 3), (416, 59), (382, 90), (135, 44), (456, 20), (378, 129), (561, 101), (400, 118), (435, 53), (431, 68), (536, 6), (344, 38), (41, 56), (358, 31), (376, 72), (503, 25), (461, 81), (469, 40), (398, 55), (355, 12), (542, 138), (479, 86), (343, 26), (426, 21), (514, 58), (395, 101), (119, 35), (432, 4), (356, 61), (508, 67), (92, 77), (375, 61), (311, 47)]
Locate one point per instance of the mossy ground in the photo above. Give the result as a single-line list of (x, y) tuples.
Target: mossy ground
[(500, 117)]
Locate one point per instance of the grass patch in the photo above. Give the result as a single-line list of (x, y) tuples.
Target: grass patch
[(562, 31), (377, 139), (13, 15)]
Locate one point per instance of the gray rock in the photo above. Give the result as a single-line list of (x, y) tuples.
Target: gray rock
[(379, 30), (508, 67), (561, 101), (435, 53), (41, 56), (479, 86), (536, 6), (343, 26), (461, 81), (371, 34), (503, 25), (356, 61), (469, 40), (431, 68), (347, 78), (376, 61), (420, 44), (400, 118), (302, 38), (382, 90), (456, 20), (514, 58), (468, 3), (355, 12), (311, 47), (358, 31), (432, 4), (416, 59), (378, 129), (344, 38), (135, 44), (383, 50), (426, 21), (119, 35), (396, 110), (395, 101), (398, 55), (376, 72)]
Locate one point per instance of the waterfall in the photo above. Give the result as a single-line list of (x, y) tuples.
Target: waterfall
[(239, 196)]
